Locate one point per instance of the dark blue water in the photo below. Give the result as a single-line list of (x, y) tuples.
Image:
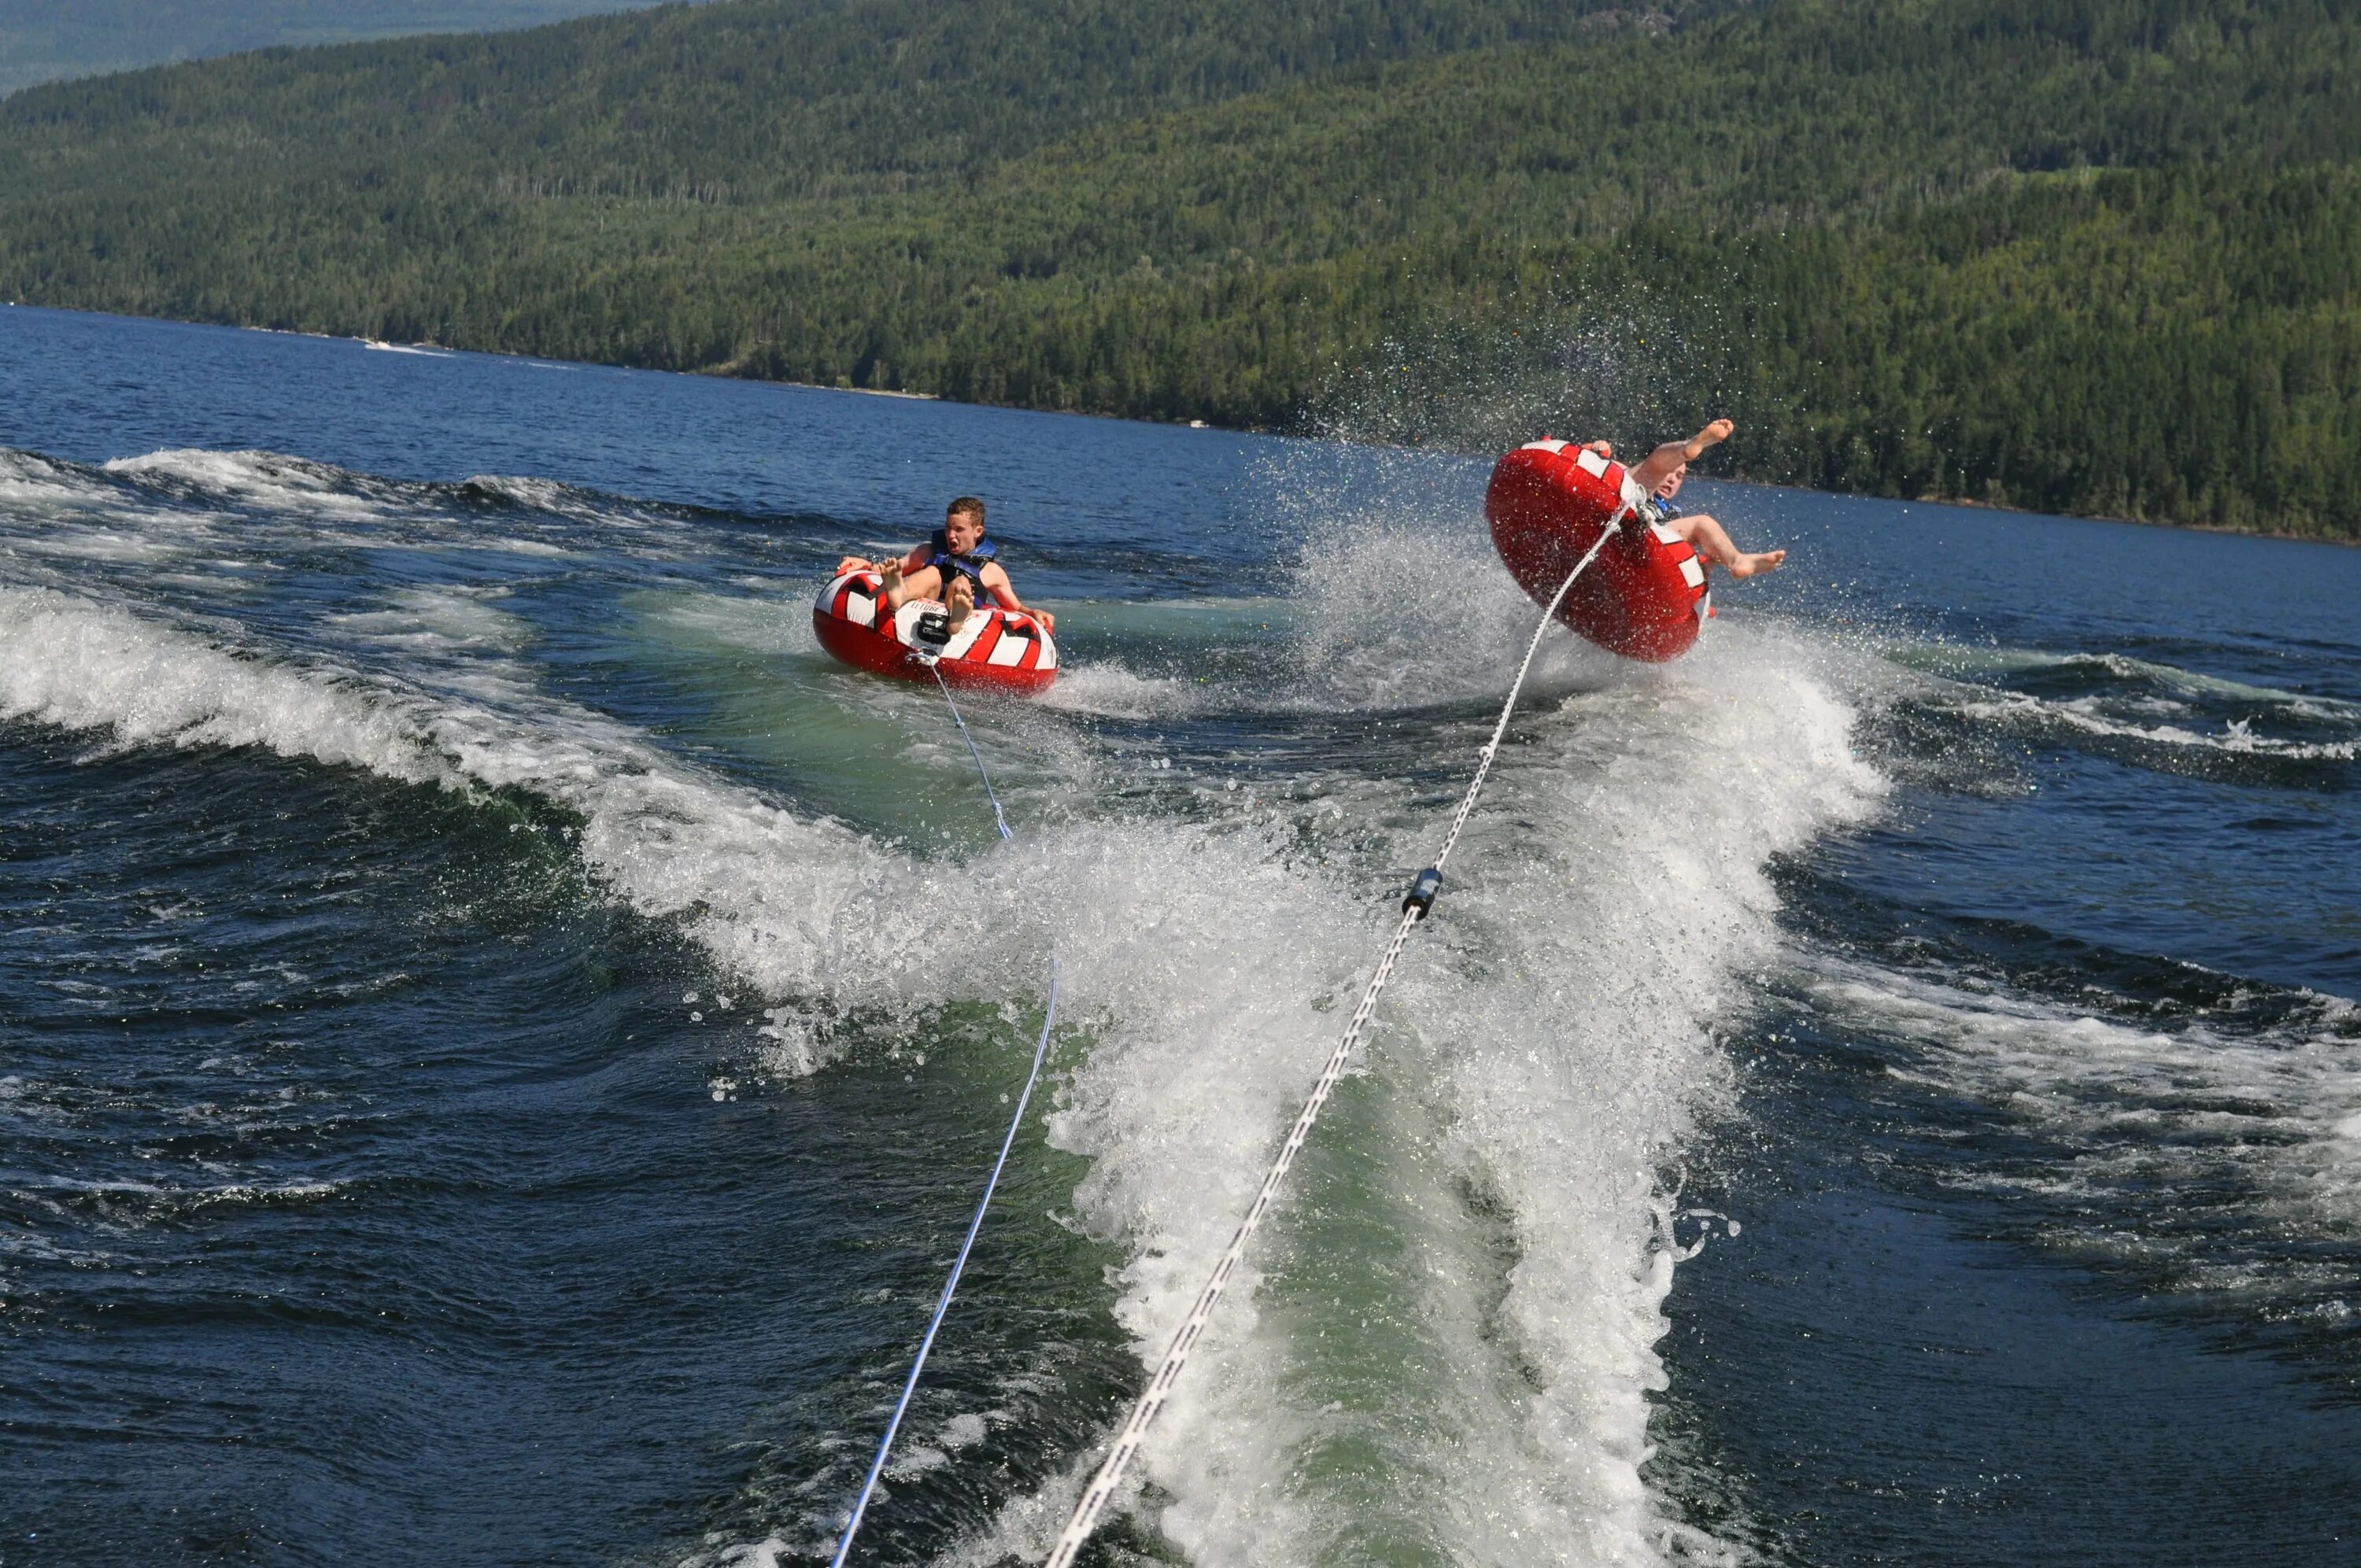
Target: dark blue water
[(498, 1036)]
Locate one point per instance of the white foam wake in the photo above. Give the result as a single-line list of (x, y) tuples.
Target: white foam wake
[(267, 480), (1966, 662), (2267, 1123), (72, 663), (2089, 714), (1550, 1043), (1405, 616), (1619, 910), (790, 903)]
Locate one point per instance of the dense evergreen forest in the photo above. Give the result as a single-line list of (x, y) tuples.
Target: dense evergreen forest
[(2076, 255)]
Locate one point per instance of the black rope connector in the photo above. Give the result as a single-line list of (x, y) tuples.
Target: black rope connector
[(1423, 892), (934, 626)]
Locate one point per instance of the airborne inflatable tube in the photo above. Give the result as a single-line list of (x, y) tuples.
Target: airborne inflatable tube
[(1644, 598)]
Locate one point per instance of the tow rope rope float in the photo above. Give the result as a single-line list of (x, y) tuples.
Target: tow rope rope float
[(1415, 906), (992, 1183)]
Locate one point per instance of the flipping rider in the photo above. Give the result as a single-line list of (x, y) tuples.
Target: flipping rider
[(1660, 475)]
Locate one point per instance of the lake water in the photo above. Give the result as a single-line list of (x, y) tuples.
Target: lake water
[(500, 1036)]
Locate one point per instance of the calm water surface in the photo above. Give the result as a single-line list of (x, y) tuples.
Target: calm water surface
[(498, 1036)]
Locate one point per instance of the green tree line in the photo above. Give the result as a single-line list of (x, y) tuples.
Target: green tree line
[(2083, 254)]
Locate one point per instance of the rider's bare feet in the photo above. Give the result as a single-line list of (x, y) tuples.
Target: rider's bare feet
[(1755, 566), (961, 599), (890, 572), (1713, 435)]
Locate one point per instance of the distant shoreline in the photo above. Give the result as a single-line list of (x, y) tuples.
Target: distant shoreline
[(2134, 521), (433, 349)]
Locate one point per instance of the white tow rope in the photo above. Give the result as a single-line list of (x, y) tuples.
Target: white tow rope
[(999, 818), (959, 1264), (1414, 908)]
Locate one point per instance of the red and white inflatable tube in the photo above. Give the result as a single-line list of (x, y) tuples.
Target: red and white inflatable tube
[(1644, 598), (999, 650)]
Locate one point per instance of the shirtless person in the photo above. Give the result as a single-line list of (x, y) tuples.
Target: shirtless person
[(1660, 475), (953, 566)]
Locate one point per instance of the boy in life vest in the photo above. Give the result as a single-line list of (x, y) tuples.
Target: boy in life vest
[(954, 567), (1660, 475)]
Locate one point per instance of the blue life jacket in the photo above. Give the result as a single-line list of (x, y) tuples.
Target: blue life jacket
[(970, 565)]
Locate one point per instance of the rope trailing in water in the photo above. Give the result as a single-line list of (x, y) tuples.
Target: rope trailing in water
[(1414, 908), (999, 818), (991, 1184)]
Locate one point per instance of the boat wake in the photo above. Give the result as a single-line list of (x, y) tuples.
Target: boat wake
[(1446, 1346), (1481, 1386)]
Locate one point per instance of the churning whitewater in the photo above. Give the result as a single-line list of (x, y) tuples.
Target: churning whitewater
[(1544, 1059), (584, 718)]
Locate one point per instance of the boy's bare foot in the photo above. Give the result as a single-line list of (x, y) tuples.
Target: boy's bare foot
[(1674, 454), (891, 573), (961, 599), (1755, 566), (1713, 435)]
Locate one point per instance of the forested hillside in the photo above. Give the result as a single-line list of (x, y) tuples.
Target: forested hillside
[(2079, 254)]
